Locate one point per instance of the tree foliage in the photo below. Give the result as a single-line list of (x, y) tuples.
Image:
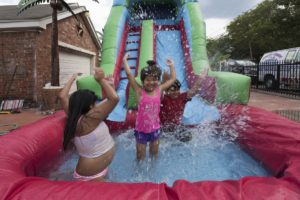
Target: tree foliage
[(272, 25), (218, 49)]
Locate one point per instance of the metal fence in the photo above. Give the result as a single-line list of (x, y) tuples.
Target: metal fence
[(276, 77), (290, 114)]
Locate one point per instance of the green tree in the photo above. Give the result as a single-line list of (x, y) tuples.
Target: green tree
[(218, 49), (286, 22), (251, 34), (272, 25), (55, 5)]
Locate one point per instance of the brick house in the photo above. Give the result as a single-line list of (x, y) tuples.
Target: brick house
[(25, 49)]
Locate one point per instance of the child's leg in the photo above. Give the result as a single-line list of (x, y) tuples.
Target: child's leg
[(153, 150), (140, 151)]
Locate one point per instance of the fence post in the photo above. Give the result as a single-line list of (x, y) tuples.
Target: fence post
[(257, 76), (278, 76), (297, 65)]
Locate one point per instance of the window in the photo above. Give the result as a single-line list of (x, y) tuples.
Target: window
[(297, 59), (290, 55)]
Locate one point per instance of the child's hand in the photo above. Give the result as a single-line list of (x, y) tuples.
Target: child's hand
[(75, 75), (110, 79), (99, 73), (170, 63), (126, 56), (204, 73)]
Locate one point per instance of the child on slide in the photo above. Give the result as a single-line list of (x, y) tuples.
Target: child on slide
[(173, 104), (148, 96), (85, 127)]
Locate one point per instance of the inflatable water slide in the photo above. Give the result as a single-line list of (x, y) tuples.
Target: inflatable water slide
[(157, 30)]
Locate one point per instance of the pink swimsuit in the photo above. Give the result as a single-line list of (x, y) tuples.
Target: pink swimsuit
[(147, 119)]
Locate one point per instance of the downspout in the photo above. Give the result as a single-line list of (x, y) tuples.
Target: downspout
[(35, 73)]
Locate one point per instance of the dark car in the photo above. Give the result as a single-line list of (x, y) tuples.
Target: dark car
[(245, 67)]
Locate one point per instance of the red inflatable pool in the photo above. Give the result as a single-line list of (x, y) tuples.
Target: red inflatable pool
[(275, 141)]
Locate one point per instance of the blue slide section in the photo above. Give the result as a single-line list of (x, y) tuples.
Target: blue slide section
[(187, 27), (168, 45)]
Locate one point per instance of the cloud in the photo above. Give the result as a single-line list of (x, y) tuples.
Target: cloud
[(98, 12), (226, 8), (216, 27), (217, 13), (9, 2)]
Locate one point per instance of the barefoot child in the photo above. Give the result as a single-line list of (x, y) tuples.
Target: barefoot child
[(147, 127)]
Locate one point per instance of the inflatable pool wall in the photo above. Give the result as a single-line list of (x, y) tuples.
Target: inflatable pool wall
[(32, 150), (153, 29)]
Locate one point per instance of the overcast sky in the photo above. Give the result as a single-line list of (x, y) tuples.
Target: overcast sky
[(217, 13)]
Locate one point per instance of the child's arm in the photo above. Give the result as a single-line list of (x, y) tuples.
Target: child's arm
[(137, 88), (165, 77), (172, 79), (64, 94), (102, 110), (110, 80), (196, 86)]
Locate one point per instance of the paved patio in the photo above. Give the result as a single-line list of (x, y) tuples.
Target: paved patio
[(273, 102), (26, 116)]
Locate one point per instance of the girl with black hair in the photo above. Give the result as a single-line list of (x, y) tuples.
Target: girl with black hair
[(147, 126), (85, 127)]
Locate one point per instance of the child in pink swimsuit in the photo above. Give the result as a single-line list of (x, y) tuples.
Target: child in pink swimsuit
[(147, 127)]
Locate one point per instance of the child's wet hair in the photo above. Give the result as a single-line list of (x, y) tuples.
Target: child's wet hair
[(151, 63), (150, 70), (175, 86), (81, 100), (80, 103)]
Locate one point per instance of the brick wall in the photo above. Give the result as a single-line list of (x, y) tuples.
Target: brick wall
[(68, 34), (31, 52), (17, 53)]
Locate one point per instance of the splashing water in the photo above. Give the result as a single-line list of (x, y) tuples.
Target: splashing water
[(208, 156)]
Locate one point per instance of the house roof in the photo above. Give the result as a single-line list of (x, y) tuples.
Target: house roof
[(38, 17), (9, 13)]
